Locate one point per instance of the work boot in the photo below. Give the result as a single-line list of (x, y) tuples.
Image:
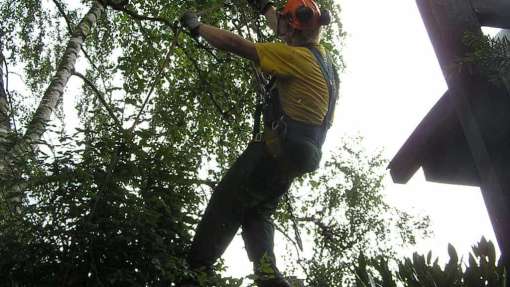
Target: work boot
[(268, 275)]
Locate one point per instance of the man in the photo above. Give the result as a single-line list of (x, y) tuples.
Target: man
[(296, 118)]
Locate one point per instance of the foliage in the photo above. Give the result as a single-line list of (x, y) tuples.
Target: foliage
[(491, 55), (420, 271), (105, 204), (345, 214)]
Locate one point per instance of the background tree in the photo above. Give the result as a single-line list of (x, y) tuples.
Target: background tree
[(113, 200)]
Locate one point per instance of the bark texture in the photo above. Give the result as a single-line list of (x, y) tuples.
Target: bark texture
[(4, 106), (4, 115)]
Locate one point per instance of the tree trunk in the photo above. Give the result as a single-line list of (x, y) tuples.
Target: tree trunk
[(4, 114), (4, 107), (39, 122)]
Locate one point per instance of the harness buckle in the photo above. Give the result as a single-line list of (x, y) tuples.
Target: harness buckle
[(258, 138)]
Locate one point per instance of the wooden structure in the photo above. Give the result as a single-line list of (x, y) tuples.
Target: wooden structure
[(465, 138)]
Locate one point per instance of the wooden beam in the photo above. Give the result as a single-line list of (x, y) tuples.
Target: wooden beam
[(492, 13), (440, 147), (481, 107)]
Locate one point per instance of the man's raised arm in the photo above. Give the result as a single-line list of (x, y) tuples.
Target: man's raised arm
[(220, 39)]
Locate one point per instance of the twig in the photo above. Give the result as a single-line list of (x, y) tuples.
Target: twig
[(100, 97), (177, 32), (294, 243), (224, 115), (284, 233), (61, 10)]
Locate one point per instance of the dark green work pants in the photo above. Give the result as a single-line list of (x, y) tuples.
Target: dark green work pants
[(246, 197)]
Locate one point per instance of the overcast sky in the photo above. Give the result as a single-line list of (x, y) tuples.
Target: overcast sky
[(392, 80)]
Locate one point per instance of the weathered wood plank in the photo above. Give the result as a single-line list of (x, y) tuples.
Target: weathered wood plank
[(481, 107), (439, 146), (492, 13)]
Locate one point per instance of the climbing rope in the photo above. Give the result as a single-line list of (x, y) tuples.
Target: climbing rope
[(177, 29)]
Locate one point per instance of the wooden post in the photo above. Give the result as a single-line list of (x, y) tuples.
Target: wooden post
[(482, 108), (492, 13)]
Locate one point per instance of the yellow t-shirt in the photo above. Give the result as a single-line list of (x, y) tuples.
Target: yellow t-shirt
[(303, 90)]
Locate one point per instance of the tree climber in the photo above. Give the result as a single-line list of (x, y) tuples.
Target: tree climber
[(297, 114)]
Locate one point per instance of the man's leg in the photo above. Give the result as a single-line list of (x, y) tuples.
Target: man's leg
[(227, 207), (258, 231)]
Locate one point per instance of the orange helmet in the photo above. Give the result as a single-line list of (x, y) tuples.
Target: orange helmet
[(302, 14)]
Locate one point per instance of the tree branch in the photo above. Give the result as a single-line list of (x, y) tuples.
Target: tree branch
[(294, 244), (4, 103), (212, 184), (61, 10), (158, 77), (326, 231), (139, 17), (224, 115), (101, 98)]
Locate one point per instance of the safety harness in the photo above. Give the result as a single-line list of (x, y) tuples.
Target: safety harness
[(288, 128), (275, 118)]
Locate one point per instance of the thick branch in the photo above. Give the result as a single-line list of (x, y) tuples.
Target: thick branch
[(4, 115), (139, 17), (100, 97), (4, 103), (54, 92)]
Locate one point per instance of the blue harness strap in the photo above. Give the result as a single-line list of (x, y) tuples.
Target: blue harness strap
[(329, 73), (275, 117)]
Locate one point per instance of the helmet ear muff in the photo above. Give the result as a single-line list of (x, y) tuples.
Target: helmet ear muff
[(304, 14), (325, 18)]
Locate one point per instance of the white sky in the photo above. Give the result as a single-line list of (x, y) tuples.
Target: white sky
[(392, 80)]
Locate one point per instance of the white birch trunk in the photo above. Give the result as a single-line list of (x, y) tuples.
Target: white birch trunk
[(55, 90)]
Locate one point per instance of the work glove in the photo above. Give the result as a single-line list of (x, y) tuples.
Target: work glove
[(190, 21), (260, 6)]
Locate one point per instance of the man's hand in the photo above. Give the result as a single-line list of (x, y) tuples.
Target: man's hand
[(260, 6), (190, 21)]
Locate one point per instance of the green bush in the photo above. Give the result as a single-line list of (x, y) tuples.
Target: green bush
[(420, 271)]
